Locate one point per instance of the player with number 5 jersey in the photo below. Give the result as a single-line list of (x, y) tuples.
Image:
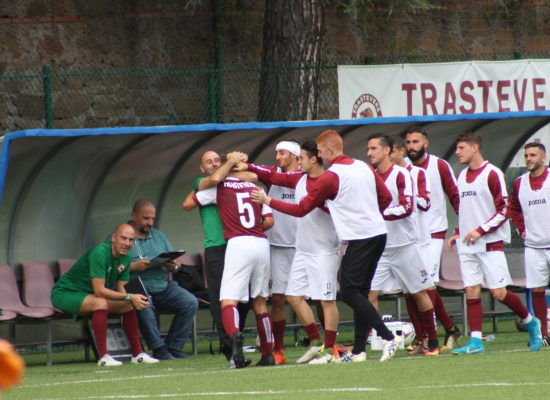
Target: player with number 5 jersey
[(246, 272)]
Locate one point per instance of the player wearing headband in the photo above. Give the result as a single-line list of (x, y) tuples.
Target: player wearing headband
[(282, 238)]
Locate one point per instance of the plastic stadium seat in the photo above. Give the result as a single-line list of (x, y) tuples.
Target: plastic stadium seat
[(10, 299), (37, 284), (64, 265), (450, 279)]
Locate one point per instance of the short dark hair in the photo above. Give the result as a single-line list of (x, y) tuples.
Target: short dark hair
[(310, 146), (385, 140), (140, 204), (398, 142), (416, 129), (469, 137), (535, 144)]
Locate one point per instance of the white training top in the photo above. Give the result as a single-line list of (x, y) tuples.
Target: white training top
[(283, 232), (400, 231), (477, 207), (437, 214), (420, 216), (355, 210), (535, 205), (315, 233)]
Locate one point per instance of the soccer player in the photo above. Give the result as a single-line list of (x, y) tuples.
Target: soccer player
[(314, 268), (401, 265), (214, 240), (355, 196), (246, 268), (483, 227), (442, 182), (421, 193), (282, 238), (530, 212), (86, 289)]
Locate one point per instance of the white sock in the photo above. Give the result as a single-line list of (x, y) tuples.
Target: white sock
[(528, 319), (476, 334)]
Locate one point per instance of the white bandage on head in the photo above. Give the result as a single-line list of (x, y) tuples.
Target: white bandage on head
[(291, 147)]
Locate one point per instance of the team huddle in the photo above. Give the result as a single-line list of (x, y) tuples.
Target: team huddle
[(371, 228), (328, 224)]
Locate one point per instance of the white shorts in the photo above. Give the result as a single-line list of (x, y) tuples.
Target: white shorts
[(314, 276), (537, 262), (431, 252), (490, 268), (401, 268), (281, 260), (246, 266)]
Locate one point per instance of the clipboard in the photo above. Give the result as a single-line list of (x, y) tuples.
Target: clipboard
[(136, 286), (165, 257)]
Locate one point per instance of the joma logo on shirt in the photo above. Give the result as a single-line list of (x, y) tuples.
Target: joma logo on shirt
[(287, 196), (468, 193), (535, 202)]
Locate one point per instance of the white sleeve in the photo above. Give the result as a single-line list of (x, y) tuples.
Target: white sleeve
[(207, 196), (266, 210)]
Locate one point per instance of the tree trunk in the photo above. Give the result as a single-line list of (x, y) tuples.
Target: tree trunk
[(291, 57)]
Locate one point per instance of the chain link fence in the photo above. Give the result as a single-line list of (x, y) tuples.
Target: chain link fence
[(79, 97)]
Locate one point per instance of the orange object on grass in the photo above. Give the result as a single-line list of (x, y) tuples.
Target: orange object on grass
[(12, 366)]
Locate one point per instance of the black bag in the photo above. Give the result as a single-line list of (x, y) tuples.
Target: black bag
[(189, 278)]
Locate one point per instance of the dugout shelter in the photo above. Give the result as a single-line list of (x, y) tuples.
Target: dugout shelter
[(63, 191)]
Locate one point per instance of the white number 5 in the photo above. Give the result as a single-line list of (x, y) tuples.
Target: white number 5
[(246, 211)]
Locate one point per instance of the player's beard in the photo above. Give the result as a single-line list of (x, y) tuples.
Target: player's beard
[(145, 229), (418, 155)]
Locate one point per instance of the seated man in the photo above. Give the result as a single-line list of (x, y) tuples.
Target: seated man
[(166, 295), (84, 290)]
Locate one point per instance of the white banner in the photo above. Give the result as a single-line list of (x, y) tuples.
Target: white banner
[(444, 88)]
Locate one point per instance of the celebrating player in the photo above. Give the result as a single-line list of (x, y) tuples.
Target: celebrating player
[(314, 268), (401, 265), (246, 268), (483, 228), (355, 196), (530, 209), (282, 238)]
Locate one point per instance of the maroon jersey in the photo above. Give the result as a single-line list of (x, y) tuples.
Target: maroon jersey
[(239, 214)]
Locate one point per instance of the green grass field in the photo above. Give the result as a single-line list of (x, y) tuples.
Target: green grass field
[(507, 371)]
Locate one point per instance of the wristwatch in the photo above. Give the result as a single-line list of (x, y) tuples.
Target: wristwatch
[(128, 298)]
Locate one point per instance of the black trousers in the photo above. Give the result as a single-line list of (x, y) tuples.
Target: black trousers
[(356, 272)]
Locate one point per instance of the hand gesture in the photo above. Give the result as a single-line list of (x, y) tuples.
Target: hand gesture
[(258, 196), (471, 237), (235, 157), (139, 301), (452, 240), (172, 265), (142, 264)]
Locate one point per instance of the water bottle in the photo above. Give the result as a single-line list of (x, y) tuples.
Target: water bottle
[(490, 337)]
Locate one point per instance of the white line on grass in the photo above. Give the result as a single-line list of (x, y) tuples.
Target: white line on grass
[(246, 392), (125, 378), (485, 384), (319, 390)]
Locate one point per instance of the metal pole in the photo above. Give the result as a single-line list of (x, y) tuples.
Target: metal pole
[(212, 98), (47, 83)]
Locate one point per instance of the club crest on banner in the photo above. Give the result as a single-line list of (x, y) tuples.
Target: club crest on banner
[(366, 106)]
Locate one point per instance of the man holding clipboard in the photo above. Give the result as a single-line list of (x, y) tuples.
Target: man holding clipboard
[(152, 259)]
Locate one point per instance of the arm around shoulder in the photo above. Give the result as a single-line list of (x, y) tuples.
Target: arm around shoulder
[(189, 202)]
